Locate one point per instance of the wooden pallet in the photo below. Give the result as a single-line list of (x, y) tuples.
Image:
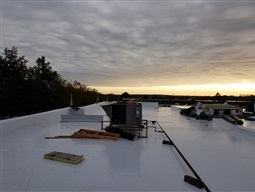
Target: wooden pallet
[(91, 134)]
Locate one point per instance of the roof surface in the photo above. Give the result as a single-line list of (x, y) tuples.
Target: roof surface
[(221, 153)]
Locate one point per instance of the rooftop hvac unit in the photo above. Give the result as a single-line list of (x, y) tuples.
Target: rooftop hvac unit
[(124, 114)]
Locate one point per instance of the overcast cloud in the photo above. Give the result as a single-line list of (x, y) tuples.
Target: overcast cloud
[(136, 43)]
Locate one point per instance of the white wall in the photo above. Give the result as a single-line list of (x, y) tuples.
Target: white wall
[(45, 118)]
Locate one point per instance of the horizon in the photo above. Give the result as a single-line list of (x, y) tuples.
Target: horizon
[(194, 90)]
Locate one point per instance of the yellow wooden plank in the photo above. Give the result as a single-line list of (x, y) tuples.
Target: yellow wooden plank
[(64, 157)]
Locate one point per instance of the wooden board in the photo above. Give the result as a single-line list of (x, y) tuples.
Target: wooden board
[(64, 157), (92, 134), (84, 133)]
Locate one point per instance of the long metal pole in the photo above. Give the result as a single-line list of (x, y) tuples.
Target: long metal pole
[(186, 161)]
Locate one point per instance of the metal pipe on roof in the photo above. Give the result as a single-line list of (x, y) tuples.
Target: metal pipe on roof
[(198, 182)]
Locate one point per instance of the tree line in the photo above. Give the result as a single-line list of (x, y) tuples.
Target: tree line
[(26, 90)]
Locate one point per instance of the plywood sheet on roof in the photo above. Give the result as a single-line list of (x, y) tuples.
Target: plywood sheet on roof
[(85, 133)]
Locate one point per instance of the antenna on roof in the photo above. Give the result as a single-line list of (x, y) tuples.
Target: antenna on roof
[(71, 101), (97, 101)]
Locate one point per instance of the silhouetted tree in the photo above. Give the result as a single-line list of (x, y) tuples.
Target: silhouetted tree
[(25, 90), (46, 83), (125, 95), (13, 80), (218, 97)]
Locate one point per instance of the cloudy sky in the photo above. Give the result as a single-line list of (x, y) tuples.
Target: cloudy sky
[(139, 46)]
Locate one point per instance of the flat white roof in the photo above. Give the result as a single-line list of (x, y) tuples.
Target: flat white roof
[(221, 153)]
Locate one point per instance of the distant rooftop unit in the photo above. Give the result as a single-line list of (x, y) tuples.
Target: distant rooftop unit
[(129, 100), (220, 109)]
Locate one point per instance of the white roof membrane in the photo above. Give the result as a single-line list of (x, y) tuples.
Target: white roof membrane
[(221, 153)]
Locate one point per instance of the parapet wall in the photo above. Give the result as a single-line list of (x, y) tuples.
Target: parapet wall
[(45, 118)]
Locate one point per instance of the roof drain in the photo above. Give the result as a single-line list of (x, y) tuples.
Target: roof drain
[(197, 182)]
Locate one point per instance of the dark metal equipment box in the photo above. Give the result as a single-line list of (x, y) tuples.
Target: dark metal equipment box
[(124, 115)]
